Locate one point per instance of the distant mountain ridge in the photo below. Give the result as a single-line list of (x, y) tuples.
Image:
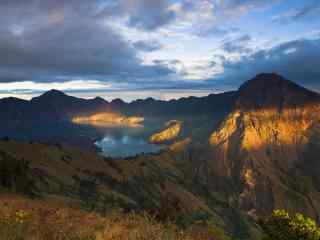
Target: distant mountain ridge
[(55, 105), (265, 90)]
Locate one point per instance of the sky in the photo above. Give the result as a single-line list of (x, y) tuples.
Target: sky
[(164, 49)]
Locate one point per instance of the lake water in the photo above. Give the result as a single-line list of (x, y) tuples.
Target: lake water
[(116, 142), (126, 142), (125, 146)]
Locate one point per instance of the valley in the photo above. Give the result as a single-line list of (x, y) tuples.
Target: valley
[(245, 154)]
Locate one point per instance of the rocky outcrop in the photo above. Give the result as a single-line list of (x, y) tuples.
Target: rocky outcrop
[(169, 134), (260, 144)]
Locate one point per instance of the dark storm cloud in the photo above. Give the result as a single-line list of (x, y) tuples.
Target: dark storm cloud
[(78, 47), (296, 60), (57, 40)]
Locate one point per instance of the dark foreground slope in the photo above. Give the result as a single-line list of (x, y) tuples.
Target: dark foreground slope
[(161, 184), (56, 219)]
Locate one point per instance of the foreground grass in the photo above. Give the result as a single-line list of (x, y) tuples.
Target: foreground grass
[(24, 219)]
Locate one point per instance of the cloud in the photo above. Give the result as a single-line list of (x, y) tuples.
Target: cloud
[(237, 45), (62, 40), (310, 10), (78, 47), (112, 41), (150, 15), (296, 60), (237, 8), (31, 87), (208, 30), (146, 15), (147, 46), (212, 18), (228, 7)]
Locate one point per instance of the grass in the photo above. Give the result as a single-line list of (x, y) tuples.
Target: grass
[(26, 219)]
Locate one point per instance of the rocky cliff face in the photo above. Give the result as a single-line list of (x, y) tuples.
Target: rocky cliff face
[(172, 131), (261, 143)]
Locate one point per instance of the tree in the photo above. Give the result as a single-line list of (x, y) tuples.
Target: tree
[(281, 226)]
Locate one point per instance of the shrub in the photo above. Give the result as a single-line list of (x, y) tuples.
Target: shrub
[(282, 226), (21, 225), (26, 219)]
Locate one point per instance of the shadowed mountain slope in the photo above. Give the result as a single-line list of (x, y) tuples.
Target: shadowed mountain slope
[(50, 117), (273, 91), (55, 106)]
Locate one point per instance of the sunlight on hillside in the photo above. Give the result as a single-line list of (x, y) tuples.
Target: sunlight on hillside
[(170, 133), (109, 120), (264, 141), (268, 126)]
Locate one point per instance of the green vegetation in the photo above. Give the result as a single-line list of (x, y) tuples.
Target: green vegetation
[(282, 226)]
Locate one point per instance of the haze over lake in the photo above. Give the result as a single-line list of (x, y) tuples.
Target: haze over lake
[(126, 145)]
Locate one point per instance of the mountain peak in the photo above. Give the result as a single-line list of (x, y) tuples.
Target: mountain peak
[(52, 96), (269, 77), (270, 90), (99, 100), (118, 101), (267, 81), (54, 92)]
